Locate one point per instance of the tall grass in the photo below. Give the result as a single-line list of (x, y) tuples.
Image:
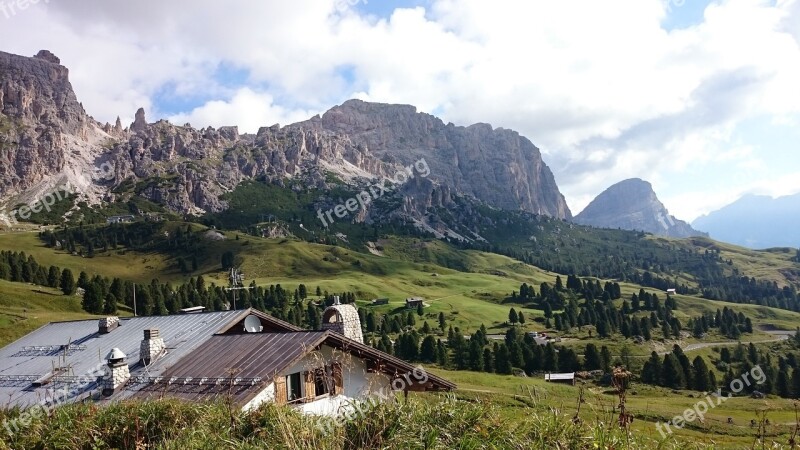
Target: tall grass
[(420, 423)]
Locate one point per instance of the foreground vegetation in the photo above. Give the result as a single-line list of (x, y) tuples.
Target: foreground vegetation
[(420, 423)]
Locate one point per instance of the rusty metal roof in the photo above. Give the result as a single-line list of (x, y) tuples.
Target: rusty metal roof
[(214, 368)]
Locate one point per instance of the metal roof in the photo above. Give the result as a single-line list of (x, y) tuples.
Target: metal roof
[(559, 376), (239, 365), (36, 354)]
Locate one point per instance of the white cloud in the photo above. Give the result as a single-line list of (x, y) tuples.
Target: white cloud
[(604, 90), (247, 109)]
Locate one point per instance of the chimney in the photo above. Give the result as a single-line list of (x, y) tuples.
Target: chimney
[(344, 320), (118, 373), (108, 324), (152, 346)]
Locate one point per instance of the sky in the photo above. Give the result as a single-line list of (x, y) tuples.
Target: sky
[(699, 97)]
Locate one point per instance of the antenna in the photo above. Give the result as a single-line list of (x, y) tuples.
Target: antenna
[(252, 324)]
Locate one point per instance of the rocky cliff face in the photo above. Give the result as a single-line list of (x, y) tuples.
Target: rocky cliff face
[(496, 166), (633, 205), (45, 135)]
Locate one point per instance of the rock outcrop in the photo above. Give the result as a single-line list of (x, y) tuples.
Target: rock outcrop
[(633, 205), (45, 134)]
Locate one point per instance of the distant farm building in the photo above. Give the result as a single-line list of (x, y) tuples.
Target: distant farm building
[(414, 302), (380, 301), (561, 378), (120, 219), (672, 291)]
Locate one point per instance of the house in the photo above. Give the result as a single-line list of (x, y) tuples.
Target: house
[(247, 357), (120, 219), (561, 378), (380, 301), (414, 302), (672, 291)]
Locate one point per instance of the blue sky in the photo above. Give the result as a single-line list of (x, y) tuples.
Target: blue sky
[(697, 96)]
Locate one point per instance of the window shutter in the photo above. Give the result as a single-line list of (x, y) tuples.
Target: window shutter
[(311, 393), (280, 390), (338, 378)]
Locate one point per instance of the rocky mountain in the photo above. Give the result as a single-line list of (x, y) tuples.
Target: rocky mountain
[(633, 205), (47, 138), (756, 221)]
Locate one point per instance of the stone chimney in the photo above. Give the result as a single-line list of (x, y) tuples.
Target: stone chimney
[(344, 320), (118, 372), (152, 346), (107, 325)]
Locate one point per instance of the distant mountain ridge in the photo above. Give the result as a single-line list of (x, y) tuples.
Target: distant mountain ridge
[(756, 221), (47, 139), (633, 205)]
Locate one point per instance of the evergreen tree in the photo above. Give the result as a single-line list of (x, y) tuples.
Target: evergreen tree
[(502, 361), (83, 281), (53, 277), (672, 372), (67, 282), (652, 370), (428, 350), (475, 356), (701, 380), (488, 364), (591, 358), (512, 316), (93, 299), (795, 382), (782, 385), (606, 357), (110, 305), (441, 354), (442, 322), (521, 318), (420, 310)]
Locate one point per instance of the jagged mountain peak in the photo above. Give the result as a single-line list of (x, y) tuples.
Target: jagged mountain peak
[(633, 205), (54, 137)]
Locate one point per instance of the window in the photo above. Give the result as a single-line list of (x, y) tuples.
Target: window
[(294, 387), (320, 382)]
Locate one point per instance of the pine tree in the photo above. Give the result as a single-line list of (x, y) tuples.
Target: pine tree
[(700, 370), (606, 357), (67, 282), (428, 350), (502, 361), (521, 318), (652, 370), (488, 364), (53, 277), (591, 358), (475, 356), (420, 310), (672, 372), (782, 385), (110, 305), (796, 382), (93, 299), (512, 316), (442, 321)]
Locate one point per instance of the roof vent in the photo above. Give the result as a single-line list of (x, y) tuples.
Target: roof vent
[(108, 324)]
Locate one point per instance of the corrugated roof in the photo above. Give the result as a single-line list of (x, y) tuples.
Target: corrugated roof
[(181, 333), (253, 358), (559, 376)]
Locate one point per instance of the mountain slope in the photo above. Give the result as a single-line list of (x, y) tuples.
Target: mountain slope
[(633, 205), (48, 139), (756, 222)]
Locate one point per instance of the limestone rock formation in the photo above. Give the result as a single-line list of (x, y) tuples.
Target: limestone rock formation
[(633, 205)]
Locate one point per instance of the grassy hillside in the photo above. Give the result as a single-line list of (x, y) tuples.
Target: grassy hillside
[(23, 308)]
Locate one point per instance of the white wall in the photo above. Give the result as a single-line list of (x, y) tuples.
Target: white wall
[(358, 384)]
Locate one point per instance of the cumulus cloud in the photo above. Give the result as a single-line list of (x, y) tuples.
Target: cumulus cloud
[(601, 87)]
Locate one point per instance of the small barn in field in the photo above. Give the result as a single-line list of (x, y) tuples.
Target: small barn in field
[(561, 378)]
